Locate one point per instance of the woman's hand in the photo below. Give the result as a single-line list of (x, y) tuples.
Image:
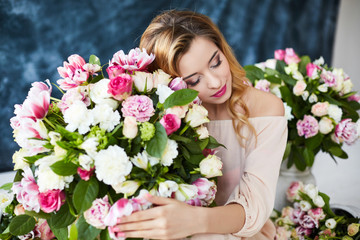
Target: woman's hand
[(169, 219)]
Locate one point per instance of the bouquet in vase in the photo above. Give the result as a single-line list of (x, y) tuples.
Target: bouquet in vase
[(320, 105), (89, 158)]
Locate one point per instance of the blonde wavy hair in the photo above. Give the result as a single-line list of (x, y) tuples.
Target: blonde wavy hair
[(169, 37)]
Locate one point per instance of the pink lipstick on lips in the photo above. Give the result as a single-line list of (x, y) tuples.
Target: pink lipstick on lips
[(221, 92)]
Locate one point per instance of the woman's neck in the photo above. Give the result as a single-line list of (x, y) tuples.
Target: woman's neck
[(217, 111)]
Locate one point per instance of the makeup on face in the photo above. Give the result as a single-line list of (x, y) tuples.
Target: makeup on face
[(220, 93)]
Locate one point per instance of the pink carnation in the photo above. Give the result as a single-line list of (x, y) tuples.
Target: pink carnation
[(329, 78), (279, 54), (290, 56), (138, 106), (346, 131), (72, 72), (316, 213), (320, 109), (307, 127), (310, 68), (85, 174), (170, 122), (51, 200), (120, 87), (96, 214), (136, 60)]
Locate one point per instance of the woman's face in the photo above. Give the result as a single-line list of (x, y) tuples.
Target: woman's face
[(205, 68)]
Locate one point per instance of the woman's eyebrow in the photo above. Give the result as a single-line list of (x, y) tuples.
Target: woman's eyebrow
[(212, 57)]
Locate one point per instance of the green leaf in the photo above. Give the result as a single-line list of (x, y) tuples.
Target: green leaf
[(336, 151), (288, 80), (157, 144), (203, 143), (85, 193), (62, 218), (74, 232), (302, 65), (253, 73), (63, 168), (314, 141), (280, 65), (96, 78), (213, 143), (271, 72), (327, 208), (105, 235), (86, 231), (180, 98), (94, 60), (71, 136), (273, 79), (60, 233), (308, 156), (298, 158), (40, 214), (7, 186), (6, 236), (33, 159), (196, 158), (287, 96), (179, 138), (21, 225)]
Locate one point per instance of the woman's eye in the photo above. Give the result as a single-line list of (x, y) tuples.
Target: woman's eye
[(194, 83), (217, 63)]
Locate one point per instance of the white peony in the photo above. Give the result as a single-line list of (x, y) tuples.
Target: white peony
[(77, 116), (203, 132), (325, 125), (335, 112), (5, 199), (163, 92), (85, 161), (127, 187), (186, 192), (112, 165), (99, 94), (169, 153), (196, 116), (167, 187), (90, 146), (211, 166), (288, 110), (104, 115)]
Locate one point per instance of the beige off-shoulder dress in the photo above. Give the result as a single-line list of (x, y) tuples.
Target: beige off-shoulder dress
[(250, 173)]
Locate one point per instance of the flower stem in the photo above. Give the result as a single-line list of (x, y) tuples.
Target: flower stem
[(55, 99), (48, 122), (184, 129)]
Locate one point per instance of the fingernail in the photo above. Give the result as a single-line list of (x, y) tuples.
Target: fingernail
[(120, 234)]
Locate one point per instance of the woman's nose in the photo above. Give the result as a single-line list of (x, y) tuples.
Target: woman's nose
[(213, 81)]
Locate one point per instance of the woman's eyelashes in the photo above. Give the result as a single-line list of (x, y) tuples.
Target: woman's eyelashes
[(218, 63)]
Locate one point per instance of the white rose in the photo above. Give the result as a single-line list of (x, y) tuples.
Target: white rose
[(5, 199), (104, 115), (288, 110), (325, 125), (270, 63), (128, 187), (196, 116), (142, 79), (323, 88), (203, 132), (112, 165), (313, 98), (179, 111), (330, 223), (305, 205), (335, 112), (85, 161), (99, 94), (167, 188), (160, 77), (19, 160), (77, 116), (319, 201), (299, 88), (211, 166), (90, 146), (311, 190), (186, 192), (347, 86), (130, 128), (170, 153), (163, 92)]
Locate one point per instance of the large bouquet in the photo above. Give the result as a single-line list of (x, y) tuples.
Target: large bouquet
[(89, 158), (311, 217), (319, 103)]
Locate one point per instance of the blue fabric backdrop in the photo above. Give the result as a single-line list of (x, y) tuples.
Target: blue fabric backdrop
[(37, 36)]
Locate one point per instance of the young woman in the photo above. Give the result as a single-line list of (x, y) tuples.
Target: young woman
[(249, 122)]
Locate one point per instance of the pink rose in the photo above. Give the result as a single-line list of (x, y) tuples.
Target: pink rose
[(299, 88), (96, 214), (72, 73), (329, 78), (311, 68), (307, 127), (316, 213), (320, 109), (177, 84), (292, 192), (137, 106), (51, 200), (136, 60), (263, 85), (27, 191), (123, 207), (71, 96), (85, 174), (120, 87), (44, 229), (206, 190), (114, 71), (279, 54), (346, 131), (170, 122), (290, 56)]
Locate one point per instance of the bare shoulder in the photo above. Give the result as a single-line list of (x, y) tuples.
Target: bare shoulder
[(262, 103)]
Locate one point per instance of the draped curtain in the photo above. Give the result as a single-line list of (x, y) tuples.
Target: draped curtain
[(37, 36)]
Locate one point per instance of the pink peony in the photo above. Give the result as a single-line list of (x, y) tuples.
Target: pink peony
[(320, 109), (72, 72), (44, 229), (206, 190), (329, 78), (292, 192), (136, 60), (177, 84), (96, 214), (85, 174), (346, 131), (120, 87), (27, 191), (170, 122), (51, 200), (137, 106), (307, 127), (311, 68), (123, 207), (114, 71), (290, 56), (279, 54), (263, 85)]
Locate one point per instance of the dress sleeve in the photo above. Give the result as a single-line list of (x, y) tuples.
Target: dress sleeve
[(257, 187)]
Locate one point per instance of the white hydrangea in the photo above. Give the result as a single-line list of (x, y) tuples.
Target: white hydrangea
[(335, 112), (288, 110), (169, 153), (112, 165), (99, 94), (5, 199), (163, 92), (77, 116), (104, 115), (46, 178), (166, 188)]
